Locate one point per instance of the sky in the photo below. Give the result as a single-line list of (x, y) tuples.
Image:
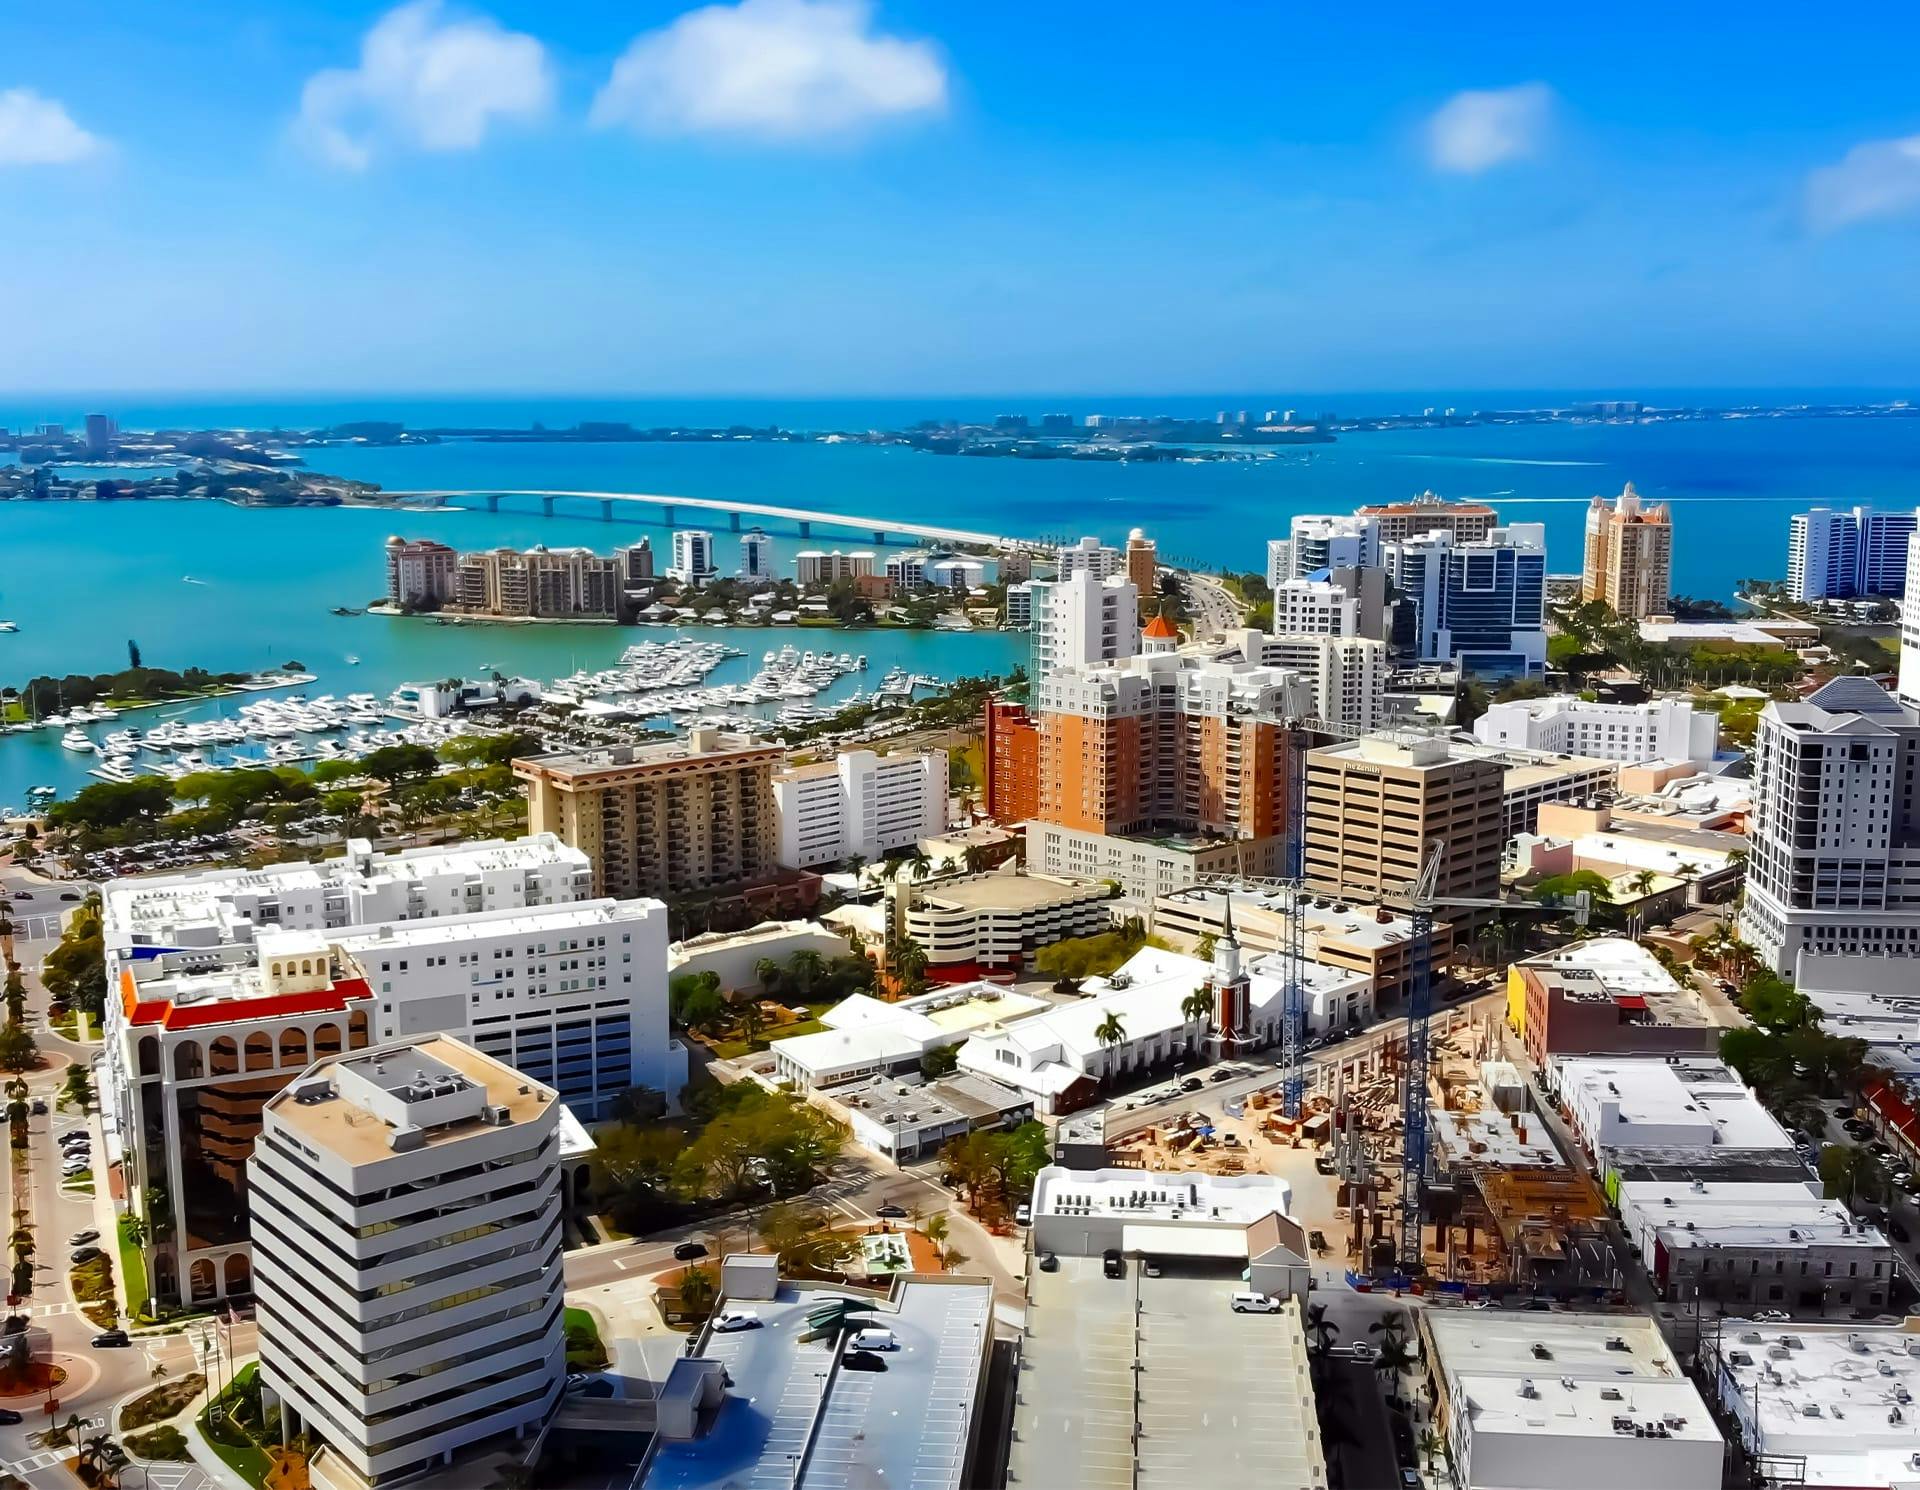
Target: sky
[(833, 197)]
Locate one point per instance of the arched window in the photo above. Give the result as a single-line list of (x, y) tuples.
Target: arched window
[(306, 967), (293, 1047), (224, 1058), (259, 1051), (204, 1281), (187, 1065), (149, 1055), (357, 1029), (239, 1276), (326, 1040)]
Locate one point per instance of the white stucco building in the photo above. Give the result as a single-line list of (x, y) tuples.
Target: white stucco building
[(1662, 729), (407, 1243), (859, 803), (1082, 620)]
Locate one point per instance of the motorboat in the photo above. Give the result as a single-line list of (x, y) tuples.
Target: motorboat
[(75, 739)]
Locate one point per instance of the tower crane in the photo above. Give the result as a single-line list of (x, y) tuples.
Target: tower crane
[(1418, 901)]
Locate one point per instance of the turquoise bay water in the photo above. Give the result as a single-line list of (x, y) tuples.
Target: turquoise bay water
[(81, 579)]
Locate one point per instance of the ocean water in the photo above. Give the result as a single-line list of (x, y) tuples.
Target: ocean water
[(203, 584)]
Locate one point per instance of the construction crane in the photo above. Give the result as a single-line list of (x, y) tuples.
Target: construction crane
[(1419, 902)]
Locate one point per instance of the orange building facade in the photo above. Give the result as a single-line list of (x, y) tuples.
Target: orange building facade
[(1012, 749)]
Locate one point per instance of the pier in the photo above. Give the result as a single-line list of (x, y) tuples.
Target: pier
[(672, 508)]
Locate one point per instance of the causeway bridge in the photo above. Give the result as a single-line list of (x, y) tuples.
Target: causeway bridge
[(671, 509)]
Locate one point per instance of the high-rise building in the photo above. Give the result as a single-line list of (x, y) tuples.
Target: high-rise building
[(1908, 684), (1466, 522), (1480, 604), (1082, 620), (859, 803), (1834, 857), (538, 581), (667, 819), (1332, 542), (421, 574), (693, 562), (1348, 675), (1168, 740), (1836, 555), (813, 567), (1279, 562), (1629, 557), (908, 571), (1375, 808), (1012, 750), (1090, 556), (100, 433), (407, 1239), (635, 563), (756, 555), (1143, 563), (1347, 602)]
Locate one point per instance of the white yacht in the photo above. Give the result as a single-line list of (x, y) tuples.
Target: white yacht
[(75, 739)]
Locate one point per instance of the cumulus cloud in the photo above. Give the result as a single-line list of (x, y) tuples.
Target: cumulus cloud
[(38, 131), (426, 79), (1878, 179), (1481, 128), (771, 70)]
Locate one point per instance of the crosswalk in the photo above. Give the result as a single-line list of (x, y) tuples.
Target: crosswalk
[(46, 1311)]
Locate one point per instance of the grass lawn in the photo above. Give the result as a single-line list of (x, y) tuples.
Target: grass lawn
[(239, 1452), (585, 1352), (133, 1268), (733, 1049), (163, 1402)]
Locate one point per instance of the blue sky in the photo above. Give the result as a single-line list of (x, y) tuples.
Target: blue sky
[(828, 197)]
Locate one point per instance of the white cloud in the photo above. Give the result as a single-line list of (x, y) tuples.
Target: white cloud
[(425, 79), (37, 131), (1878, 179), (771, 69), (1481, 128)]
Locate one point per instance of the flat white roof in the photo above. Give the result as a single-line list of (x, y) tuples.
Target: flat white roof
[(1714, 1213), (542, 920), (1652, 1092), (1150, 1197), (1840, 1396)]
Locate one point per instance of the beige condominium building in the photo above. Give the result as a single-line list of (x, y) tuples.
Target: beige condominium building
[(1377, 806), (667, 819), (1629, 561), (1401, 522)]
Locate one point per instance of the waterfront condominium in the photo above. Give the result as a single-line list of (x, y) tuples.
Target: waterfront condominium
[(1090, 556), (1629, 556), (1480, 604), (421, 574), (673, 818), (1317, 542), (1012, 749), (1837, 555), (1465, 522), (693, 562), (859, 803), (406, 1226), (539, 583), (1082, 620), (1834, 858), (1143, 563)]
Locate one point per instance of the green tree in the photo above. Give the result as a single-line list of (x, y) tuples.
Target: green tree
[(17, 1049), (804, 1240), (1110, 1032), (942, 1060), (75, 971)]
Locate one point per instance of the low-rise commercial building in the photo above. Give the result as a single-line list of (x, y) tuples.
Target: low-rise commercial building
[(1607, 996), (867, 1037), (774, 1405), (1741, 1245), (1661, 729), (997, 919), (1673, 1105), (1564, 1402), (906, 1120), (407, 1240), (1146, 865), (859, 804), (1821, 1404)]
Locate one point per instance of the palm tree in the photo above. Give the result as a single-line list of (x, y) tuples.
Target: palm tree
[(697, 1290), (979, 858), (856, 863), (918, 865), (1642, 882), (1430, 1444), (935, 1229), (1197, 1005), (1110, 1032), (910, 963), (769, 973), (753, 1020)]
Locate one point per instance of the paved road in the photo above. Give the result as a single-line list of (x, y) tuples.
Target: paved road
[(1211, 604)]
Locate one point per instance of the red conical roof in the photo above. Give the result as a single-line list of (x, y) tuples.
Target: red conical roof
[(1161, 627)]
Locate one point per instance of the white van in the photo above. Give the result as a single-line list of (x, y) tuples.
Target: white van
[(1254, 1303), (874, 1339)]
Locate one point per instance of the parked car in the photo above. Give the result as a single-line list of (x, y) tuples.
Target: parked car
[(1023, 1214), (891, 1211), (10, 1417), (1254, 1303), (1362, 1352), (1049, 1263), (1772, 1316), (1150, 1267), (83, 1254), (1192, 1084), (687, 1251), (736, 1319), (1112, 1264), (81, 1238), (1222, 1075), (39, 1107), (875, 1337), (111, 1340), (863, 1360)]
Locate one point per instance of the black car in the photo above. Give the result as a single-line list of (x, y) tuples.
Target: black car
[(891, 1211), (111, 1340), (1049, 1263), (9, 1417), (39, 1107), (1112, 1264), (863, 1360), (687, 1251), (69, 894), (1192, 1084), (1223, 1074), (83, 1254)]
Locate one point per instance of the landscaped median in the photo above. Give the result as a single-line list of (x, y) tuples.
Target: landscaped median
[(232, 1428), (133, 1268)]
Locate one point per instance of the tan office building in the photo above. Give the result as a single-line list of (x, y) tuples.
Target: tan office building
[(1376, 806), (667, 819), (1629, 560)]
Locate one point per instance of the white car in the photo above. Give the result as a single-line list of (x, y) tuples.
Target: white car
[(736, 1319), (1254, 1303)]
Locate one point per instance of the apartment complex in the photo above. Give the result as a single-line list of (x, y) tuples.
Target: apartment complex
[(1347, 676), (859, 803), (1661, 729), (1629, 556), (407, 1240), (1318, 542), (1464, 522), (1375, 808), (1834, 866), (814, 567), (635, 562), (421, 574), (1011, 745), (539, 582), (756, 555), (693, 561), (1333, 602), (1480, 604), (668, 819), (1143, 562), (1836, 555), (1091, 557), (1083, 619), (1168, 740)]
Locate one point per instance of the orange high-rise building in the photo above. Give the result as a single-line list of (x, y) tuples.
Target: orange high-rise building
[(1012, 751)]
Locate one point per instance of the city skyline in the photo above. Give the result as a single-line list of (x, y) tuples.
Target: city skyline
[(758, 198)]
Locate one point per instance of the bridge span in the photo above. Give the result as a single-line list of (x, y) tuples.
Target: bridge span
[(803, 517)]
